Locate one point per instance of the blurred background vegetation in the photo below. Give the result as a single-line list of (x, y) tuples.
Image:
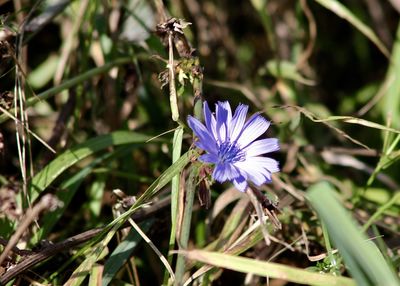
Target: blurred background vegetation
[(85, 110)]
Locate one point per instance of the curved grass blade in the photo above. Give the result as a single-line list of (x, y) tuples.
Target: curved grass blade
[(83, 269), (391, 99), (71, 156), (266, 269), (362, 257)]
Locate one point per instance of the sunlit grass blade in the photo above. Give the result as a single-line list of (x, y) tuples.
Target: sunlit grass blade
[(175, 184), (176, 153), (391, 100), (266, 269), (71, 156), (96, 274), (362, 258)]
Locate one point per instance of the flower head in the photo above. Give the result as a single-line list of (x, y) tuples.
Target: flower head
[(230, 143)]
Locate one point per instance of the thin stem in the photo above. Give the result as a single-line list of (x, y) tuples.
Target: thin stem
[(328, 245), (186, 221)]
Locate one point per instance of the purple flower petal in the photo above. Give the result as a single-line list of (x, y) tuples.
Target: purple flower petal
[(225, 172), (231, 145), (223, 117), (254, 128), (205, 142), (262, 146), (270, 164), (240, 183), (238, 121), (211, 124), (209, 158), (254, 174)]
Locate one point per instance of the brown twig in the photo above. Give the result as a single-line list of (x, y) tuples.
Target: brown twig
[(47, 252), (16, 250)]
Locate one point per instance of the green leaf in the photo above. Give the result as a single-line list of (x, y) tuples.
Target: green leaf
[(265, 269), (65, 194), (361, 256), (71, 156)]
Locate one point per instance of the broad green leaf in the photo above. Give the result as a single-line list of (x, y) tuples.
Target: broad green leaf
[(175, 184), (342, 11), (265, 269), (71, 156), (176, 153), (65, 194), (361, 256)]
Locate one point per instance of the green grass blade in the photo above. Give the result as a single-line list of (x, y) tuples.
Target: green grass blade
[(342, 11), (83, 270), (65, 195), (80, 273), (362, 257), (122, 253), (183, 239), (70, 157), (266, 269), (391, 100), (176, 153)]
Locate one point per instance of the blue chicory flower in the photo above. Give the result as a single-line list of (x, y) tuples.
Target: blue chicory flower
[(230, 143)]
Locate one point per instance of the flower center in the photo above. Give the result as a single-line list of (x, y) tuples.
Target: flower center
[(230, 153)]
